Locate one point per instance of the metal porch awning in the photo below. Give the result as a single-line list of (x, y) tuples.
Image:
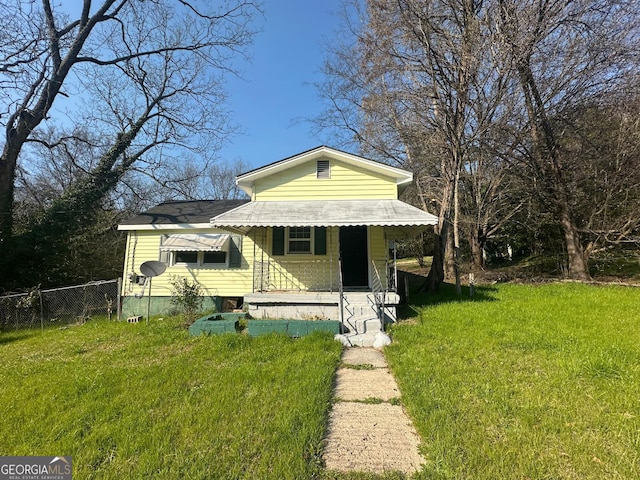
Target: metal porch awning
[(181, 242), (400, 219)]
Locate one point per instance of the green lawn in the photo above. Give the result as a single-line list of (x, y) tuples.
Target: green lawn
[(525, 382), (135, 401)]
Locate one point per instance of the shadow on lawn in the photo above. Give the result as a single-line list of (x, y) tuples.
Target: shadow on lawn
[(13, 337), (446, 294)]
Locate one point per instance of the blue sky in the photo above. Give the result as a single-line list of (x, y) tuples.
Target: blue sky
[(277, 91)]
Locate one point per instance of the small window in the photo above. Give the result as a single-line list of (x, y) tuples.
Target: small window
[(186, 257), (299, 240), (199, 258), (323, 169), (216, 258)]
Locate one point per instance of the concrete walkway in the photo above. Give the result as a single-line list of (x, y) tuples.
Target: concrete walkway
[(368, 429)]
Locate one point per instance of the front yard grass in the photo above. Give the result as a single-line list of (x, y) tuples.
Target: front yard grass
[(135, 401), (524, 382)]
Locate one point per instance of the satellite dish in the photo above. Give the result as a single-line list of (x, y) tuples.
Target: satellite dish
[(152, 268)]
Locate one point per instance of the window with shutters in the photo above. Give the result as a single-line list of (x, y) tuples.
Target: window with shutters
[(323, 169), (299, 240)]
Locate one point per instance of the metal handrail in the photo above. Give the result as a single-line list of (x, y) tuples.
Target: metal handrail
[(340, 293), (379, 293)]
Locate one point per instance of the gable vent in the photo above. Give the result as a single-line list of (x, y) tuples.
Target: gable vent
[(323, 169)]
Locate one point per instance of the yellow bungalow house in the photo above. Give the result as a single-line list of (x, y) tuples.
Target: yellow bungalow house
[(316, 239)]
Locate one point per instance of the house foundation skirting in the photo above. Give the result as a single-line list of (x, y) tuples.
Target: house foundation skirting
[(137, 306), (297, 305)]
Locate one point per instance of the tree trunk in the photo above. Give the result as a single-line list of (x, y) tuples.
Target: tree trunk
[(477, 247), (19, 127), (7, 178), (546, 155), (449, 257), (576, 259), (456, 233), (443, 235), (435, 277)]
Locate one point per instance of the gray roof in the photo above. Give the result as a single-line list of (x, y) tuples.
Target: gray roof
[(184, 212), (326, 213)]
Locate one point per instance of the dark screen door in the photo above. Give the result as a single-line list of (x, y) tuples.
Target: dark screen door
[(354, 254)]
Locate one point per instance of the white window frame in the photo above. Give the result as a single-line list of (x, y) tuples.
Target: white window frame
[(288, 239), (200, 260), (176, 263)]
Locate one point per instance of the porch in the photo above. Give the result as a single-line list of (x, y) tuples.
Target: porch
[(321, 275), (315, 290), (361, 314), (333, 259)]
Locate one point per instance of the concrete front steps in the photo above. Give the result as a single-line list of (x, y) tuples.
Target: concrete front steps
[(364, 327), (363, 332)]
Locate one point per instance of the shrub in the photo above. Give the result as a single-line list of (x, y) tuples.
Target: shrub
[(186, 296)]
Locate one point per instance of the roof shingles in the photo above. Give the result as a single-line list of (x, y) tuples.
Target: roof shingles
[(184, 212)]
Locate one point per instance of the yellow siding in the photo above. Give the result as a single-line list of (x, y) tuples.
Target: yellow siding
[(347, 182), (298, 271), (377, 243), (378, 251), (220, 281)]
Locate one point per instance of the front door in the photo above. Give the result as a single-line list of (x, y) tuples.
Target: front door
[(355, 256)]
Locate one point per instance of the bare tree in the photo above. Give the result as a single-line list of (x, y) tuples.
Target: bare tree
[(470, 93), (423, 89), (600, 143), (222, 178), (491, 197), (564, 52), (155, 66)]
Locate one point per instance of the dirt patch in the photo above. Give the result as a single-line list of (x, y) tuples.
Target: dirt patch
[(364, 356)]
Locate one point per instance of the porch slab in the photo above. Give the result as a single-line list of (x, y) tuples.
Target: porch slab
[(289, 297), (317, 305), (318, 298)]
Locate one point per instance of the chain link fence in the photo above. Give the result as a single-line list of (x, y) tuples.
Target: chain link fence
[(60, 306)]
